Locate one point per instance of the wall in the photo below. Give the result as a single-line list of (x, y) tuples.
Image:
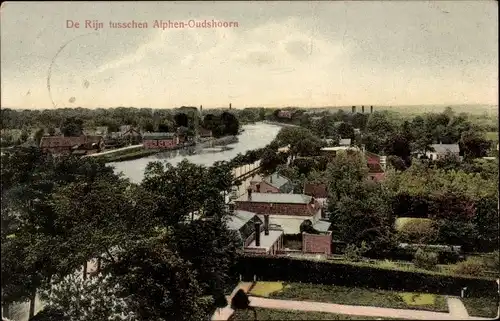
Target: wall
[(275, 209), (291, 224), (314, 243), (159, 143)]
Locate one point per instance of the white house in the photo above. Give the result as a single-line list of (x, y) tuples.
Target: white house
[(440, 151)]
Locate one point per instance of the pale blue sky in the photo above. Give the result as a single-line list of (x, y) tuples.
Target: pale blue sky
[(282, 53)]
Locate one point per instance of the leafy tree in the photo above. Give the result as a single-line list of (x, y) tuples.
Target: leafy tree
[(271, 159), (240, 301), (163, 128), (398, 145), (355, 253), (38, 135), (396, 163), (77, 299), (345, 130), (181, 119), (418, 231), (474, 145), (157, 283), (307, 227), (72, 127), (230, 123), (345, 173)]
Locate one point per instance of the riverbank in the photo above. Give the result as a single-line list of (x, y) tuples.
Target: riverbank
[(139, 151), (275, 123)]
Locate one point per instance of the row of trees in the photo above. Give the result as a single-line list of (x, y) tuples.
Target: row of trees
[(153, 254)]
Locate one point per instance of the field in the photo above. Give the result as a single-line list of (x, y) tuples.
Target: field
[(350, 296), (272, 314)]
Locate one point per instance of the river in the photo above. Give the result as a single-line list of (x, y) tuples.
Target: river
[(254, 136)]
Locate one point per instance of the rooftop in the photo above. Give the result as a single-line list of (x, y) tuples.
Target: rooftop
[(276, 198), (337, 148), (240, 218), (276, 180), (322, 226), (266, 241), (443, 148)]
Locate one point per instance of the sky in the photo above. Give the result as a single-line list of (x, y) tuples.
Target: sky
[(279, 54)]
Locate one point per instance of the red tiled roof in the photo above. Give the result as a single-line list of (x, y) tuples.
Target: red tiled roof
[(316, 190)]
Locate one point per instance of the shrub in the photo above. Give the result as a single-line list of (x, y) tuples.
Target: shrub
[(425, 260), (420, 231), (240, 301), (289, 269), (355, 253), (471, 266)]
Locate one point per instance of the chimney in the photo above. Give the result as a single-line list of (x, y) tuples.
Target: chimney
[(257, 233), (229, 105), (201, 107), (371, 109), (266, 224), (353, 109), (271, 179), (258, 187), (363, 109), (249, 192)]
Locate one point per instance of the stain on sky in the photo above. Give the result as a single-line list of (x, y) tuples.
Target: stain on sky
[(86, 83), (72, 99)]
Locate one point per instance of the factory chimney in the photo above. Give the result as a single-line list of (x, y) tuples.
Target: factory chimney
[(266, 224), (257, 233)]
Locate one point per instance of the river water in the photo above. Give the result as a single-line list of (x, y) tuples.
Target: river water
[(254, 136)]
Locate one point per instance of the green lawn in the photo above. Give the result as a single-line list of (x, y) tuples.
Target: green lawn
[(351, 296), (274, 314), (481, 307), (492, 136)]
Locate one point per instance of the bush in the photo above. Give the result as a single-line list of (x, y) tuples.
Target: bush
[(419, 231), (471, 266), (355, 253), (425, 260), (343, 274)]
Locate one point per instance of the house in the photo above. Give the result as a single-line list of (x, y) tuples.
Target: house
[(441, 150), (160, 140), (345, 142), (332, 151), (375, 165), (205, 133), (274, 183), (132, 135), (81, 145), (257, 235), (286, 210), (318, 191), (285, 114)]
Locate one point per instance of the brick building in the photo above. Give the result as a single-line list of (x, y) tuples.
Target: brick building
[(286, 210), (257, 235), (274, 183), (160, 140), (317, 243), (63, 145), (317, 190)]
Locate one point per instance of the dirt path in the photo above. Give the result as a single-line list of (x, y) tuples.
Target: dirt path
[(356, 310), (457, 308)]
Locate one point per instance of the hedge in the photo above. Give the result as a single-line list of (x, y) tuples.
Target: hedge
[(333, 273)]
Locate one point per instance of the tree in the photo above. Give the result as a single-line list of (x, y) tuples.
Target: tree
[(364, 215), (38, 135), (77, 299), (345, 130), (51, 131), (271, 159), (230, 123), (72, 127), (345, 172), (156, 283), (474, 145), (240, 301), (399, 146)]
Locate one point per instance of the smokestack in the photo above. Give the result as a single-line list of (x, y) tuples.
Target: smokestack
[(363, 109), (229, 105), (371, 109), (258, 187), (201, 107), (266, 224), (249, 192), (353, 109), (257, 233)]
